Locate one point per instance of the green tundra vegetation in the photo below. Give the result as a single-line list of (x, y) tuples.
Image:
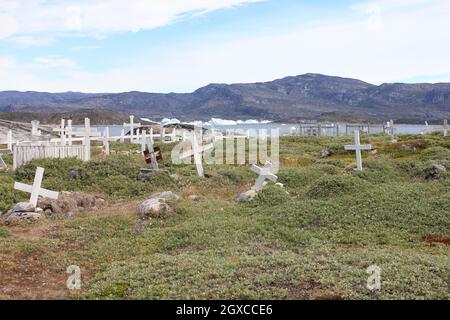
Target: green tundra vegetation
[(312, 239)]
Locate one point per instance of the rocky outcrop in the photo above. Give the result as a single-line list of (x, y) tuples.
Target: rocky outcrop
[(71, 202), (67, 204)]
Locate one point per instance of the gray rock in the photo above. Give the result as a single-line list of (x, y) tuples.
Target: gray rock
[(247, 196), (21, 216), (435, 172), (325, 153), (194, 197), (157, 204), (23, 207), (408, 147)]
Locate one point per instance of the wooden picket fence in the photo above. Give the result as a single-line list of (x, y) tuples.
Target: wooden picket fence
[(24, 154)]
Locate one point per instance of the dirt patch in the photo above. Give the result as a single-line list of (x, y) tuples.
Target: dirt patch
[(432, 240), (41, 273)]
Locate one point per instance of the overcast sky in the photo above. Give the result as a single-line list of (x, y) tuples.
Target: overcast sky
[(180, 45)]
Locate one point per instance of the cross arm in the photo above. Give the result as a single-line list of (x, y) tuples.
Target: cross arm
[(42, 192)]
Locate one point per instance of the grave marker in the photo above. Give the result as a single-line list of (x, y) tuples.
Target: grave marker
[(197, 151), (69, 132), (62, 132), (3, 165), (87, 133), (122, 136), (357, 147), (445, 127), (106, 142), (392, 131), (264, 174), (35, 128), (35, 190), (132, 125), (151, 155)]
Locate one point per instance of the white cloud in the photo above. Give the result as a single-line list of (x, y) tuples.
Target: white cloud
[(54, 62), (98, 17), (409, 41)]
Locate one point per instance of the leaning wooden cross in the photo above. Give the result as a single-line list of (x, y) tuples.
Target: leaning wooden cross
[(36, 189), (357, 147), (264, 174), (151, 154), (197, 151)]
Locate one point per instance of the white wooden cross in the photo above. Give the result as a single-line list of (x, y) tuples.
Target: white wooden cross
[(62, 132), (36, 189), (197, 152), (143, 140), (357, 147), (87, 133), (445, 127), (151, 135), (9, 140), (264, 173), (392, 130), (122, 136), (106, 142), (162, 133), (69, 132), (3, 165), (132, 125), (35, 128)]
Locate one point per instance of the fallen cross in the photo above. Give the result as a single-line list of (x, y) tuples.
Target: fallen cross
[(357, 147), (35, 190), (197, 151), (264, 174)]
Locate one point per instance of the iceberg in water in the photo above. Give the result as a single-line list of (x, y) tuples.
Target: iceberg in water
[(223, 122), (167, 121)]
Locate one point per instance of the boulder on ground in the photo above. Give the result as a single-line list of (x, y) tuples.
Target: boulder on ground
[(18, 216), (326, 153), (435, 171), (247, 196), (23, 207), (157, 205), (22, 211)]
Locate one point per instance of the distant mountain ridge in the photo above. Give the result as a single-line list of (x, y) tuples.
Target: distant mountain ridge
[(310, 96)]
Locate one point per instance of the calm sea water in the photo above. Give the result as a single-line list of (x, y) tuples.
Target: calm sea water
[(284, 128)]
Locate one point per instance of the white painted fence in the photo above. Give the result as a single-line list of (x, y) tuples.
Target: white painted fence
[(24, 154)]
